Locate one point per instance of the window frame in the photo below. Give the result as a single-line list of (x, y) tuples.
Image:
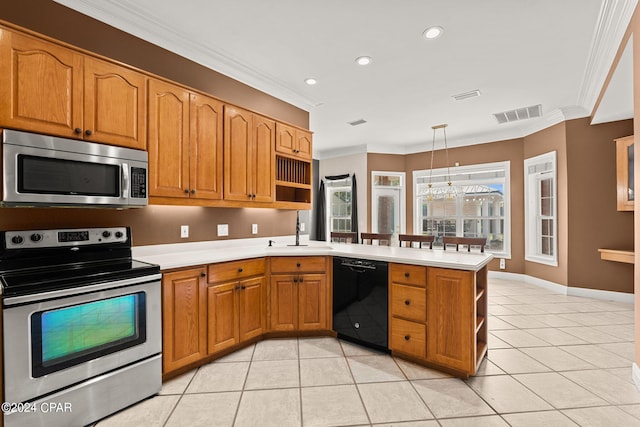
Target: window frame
[(439, 176), (532, 204), (403, 198), (330, 188)]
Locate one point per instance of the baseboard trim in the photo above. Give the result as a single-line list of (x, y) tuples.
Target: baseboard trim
[(565, 290)]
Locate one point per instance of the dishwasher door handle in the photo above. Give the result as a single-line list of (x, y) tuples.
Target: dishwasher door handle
[(352, 266)]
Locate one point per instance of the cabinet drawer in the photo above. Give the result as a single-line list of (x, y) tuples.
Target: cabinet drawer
[(299, 264), (409, 302), (411, 274), (226, 271), (408, 337)]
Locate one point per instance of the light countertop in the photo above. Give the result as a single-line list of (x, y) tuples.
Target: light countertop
[(179, 255)]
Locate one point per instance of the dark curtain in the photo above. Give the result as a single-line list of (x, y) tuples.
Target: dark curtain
[(354, 207), (321, 220)]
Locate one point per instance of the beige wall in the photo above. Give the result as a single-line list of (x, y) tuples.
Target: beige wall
[(153, 224)]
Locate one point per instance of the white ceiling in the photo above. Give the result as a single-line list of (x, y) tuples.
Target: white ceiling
[(518, 53)]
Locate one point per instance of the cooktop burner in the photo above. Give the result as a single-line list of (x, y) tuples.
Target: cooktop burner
[(39, 261)]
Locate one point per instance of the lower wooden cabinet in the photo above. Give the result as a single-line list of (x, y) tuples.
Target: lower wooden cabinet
[(184, 314), (408, 309), (298, 302), (299, 297), (237, 307)]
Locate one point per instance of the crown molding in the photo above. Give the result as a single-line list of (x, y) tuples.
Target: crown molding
[(141, 23), (612, 24)]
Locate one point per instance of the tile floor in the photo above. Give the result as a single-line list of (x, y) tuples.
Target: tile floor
[(553, 360)]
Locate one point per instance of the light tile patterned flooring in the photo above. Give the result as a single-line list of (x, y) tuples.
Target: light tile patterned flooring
[(553, 360)]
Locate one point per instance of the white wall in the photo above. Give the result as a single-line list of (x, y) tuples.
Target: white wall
[(355, 163)]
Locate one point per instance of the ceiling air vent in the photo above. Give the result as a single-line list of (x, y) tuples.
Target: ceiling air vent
[(357, 122), (519, 114), (466, 95)]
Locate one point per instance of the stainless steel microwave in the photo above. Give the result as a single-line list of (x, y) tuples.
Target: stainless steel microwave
[(40, 170)]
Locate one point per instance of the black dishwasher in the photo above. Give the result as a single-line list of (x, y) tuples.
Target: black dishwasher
[(360, 301)]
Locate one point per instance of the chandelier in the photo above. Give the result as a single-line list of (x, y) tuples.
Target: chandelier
[(450, 192)]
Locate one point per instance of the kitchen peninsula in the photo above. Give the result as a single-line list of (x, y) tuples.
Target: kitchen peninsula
[(220, 296)]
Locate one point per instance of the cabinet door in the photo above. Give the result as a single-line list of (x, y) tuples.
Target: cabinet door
[(312, 303), (40, 86), (115, 104), (205, 146), (262, 159), (303, 143), (168, 140), (451, 318), (237, 142), (285, 139), (184, 310), (284, 302), (252, 313), (222, 316)]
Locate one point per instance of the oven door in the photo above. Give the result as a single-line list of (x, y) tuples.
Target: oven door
[(57, 343)]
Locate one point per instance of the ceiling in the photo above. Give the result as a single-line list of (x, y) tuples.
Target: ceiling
[(517, 53)]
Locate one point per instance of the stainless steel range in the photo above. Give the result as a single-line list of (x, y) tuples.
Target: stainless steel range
[(82, 326)]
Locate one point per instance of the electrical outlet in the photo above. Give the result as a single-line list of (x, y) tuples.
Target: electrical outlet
[(223, 230), (302, 226), (254, 228), (502, 264), (184, 231)]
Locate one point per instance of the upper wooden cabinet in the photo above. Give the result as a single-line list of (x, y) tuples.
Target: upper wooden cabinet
[(185, 143), (624, 172), (293, 142), (48, 88), (249, 160)]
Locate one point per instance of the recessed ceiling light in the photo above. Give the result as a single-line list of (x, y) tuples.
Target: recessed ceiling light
[(363, 60), (432, 33), (311, 81)]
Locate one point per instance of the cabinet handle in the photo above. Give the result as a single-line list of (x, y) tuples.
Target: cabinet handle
[(237, 288), (406, 275), (203, 274), (407, 302), (88, 132), (243, 287), (186, 191), (193, 191), (295, 280), (240, 270), (298, 264), (78, 131), (407, 337), (301, 280)]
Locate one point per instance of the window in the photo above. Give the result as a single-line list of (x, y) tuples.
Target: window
[(540, 214), (388, 203), (475, 204), (339, 204)]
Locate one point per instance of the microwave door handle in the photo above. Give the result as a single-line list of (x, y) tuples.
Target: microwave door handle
[(125, 181)]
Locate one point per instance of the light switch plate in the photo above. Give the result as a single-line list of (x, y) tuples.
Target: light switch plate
[(254, 228), (502, 264), (223, 230), (302, 226), (184, 231)]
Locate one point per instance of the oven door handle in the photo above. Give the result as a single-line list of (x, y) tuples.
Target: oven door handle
[(79, 290), (125, 181)]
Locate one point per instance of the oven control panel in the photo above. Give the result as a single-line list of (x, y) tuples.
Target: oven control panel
[(64, 237)]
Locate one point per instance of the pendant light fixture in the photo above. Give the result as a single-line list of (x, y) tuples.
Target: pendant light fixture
[(450, 192)]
